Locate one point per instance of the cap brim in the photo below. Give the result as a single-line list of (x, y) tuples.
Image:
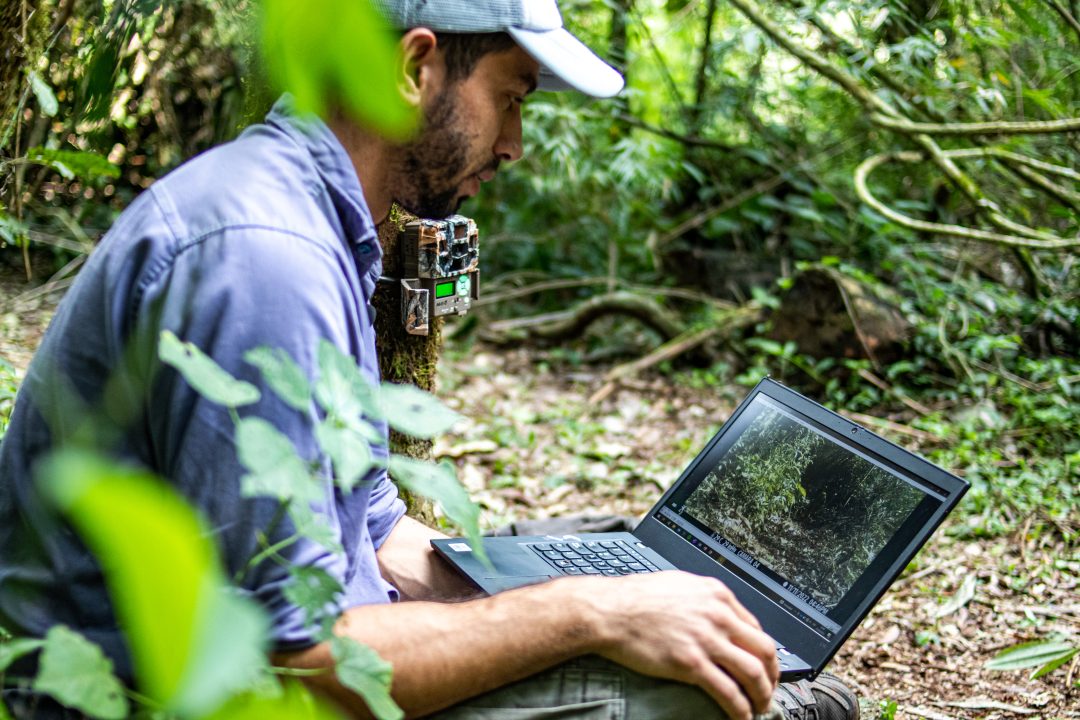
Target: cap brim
[(567, 64)]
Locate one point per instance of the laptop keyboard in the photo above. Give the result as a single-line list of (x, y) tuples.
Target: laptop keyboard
[(602, 557)]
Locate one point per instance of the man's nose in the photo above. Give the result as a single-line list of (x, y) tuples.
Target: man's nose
[(508, 147)]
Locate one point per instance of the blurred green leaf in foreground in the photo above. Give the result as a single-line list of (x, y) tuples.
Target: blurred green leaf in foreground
[(327, 51), (193, 641)]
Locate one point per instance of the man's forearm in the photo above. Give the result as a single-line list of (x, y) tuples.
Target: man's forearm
[(446, 653), (408, 562)]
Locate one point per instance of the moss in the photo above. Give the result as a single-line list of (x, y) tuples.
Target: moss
[(404, 358)]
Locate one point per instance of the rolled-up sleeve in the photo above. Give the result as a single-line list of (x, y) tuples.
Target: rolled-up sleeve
[(385, 509)]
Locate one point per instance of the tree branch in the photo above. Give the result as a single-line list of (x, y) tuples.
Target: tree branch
[(871, 102), (979, 128), (913, 98), (574, 283), (664, 69), (556, 326), (735, 319), (813, 60), (1067, 16), (688, 140), (1044, 242), (1059, 170), (700, 85)]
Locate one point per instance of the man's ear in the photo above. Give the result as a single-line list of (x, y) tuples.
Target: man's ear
[(421, 72)]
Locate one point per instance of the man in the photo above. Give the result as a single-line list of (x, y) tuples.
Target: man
[(270, 240)]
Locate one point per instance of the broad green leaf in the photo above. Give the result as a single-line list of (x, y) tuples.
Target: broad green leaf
[(165, 580), (205, 375), (12, 650), (439, 483), (283, 376), (4, 714), (414, 412), (156, 582), (322, 50), (45, 97), (342, 390), (348, 450), (1032, 654), (360, 669), (313, 590), (72, 163), (274, 468), (77, 674), (295, 703), (230, 652)]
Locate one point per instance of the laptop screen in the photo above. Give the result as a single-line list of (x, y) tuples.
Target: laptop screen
[(806, 518)]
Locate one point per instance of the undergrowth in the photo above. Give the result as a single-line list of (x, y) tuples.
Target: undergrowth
[(8, 387)]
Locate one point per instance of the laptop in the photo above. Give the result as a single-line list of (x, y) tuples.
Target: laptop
[(806, 516)]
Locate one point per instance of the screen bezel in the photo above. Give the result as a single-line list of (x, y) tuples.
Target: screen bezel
[(778, 622)]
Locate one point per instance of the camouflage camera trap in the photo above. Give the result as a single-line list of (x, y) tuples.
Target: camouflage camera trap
[(440, 270)]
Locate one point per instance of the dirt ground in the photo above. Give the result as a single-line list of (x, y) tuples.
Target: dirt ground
[(532, 446)]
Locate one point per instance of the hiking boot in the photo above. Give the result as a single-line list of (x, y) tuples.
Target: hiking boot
[(826, 698)]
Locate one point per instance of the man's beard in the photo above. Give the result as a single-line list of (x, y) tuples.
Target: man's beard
[(427, 175)]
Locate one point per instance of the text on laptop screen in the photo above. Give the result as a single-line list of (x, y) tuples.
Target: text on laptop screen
[(798, 512)]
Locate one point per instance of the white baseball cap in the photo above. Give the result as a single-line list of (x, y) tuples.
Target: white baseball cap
[(536, 25)]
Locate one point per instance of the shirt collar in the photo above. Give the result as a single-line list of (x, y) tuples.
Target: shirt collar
[(336, 169)]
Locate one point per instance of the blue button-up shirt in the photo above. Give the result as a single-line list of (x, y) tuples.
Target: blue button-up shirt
[(264, 241)]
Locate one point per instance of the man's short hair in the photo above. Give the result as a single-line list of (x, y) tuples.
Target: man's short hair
[(463, 50)]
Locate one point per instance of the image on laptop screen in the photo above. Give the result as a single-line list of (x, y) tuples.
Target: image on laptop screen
[(807, 519)]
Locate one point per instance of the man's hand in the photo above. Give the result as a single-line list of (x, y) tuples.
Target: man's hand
[(691, 629)]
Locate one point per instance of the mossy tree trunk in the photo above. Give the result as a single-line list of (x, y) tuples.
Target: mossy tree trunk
[(404, 358)]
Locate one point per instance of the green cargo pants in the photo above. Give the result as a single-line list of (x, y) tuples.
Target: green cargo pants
[(591, 688)]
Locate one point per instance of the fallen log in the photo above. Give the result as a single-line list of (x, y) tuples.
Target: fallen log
[(553, 327), (728, 322)]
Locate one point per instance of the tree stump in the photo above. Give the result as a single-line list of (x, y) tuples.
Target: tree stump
[(829, 314)]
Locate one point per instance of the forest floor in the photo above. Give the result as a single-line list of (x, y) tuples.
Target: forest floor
[(532, 446)]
